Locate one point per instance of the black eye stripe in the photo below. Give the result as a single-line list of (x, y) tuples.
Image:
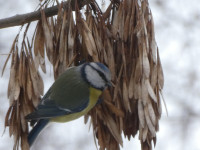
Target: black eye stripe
[(100, 73)]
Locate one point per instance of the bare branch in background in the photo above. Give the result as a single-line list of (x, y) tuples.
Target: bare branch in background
[(36, 15)]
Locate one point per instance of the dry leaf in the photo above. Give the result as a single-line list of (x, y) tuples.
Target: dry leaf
[(144, 133), (152, 114), (39, 40), (151, 91), (160, 72), (89, 40), (71, 34), (29, 85), (48, 37), (111, 60), (131, 86), (149, 123), (145, 64), (125, 97), (114, 109), (141, 113)]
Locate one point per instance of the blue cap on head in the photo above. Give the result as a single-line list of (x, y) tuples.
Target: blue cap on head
[(102, 66)]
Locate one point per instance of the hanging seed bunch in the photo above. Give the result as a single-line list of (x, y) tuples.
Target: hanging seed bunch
[(122, 38), (24, 90)]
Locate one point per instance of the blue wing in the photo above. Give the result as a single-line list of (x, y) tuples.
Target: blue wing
[(49, 109), (69, 94)]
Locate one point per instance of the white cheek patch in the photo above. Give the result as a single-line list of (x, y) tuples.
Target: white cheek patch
[(107, 74), (93, 77)]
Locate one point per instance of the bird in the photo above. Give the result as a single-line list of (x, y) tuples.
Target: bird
[(73, 94)]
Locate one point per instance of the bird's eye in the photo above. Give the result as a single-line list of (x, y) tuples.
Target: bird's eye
[(102, 76)]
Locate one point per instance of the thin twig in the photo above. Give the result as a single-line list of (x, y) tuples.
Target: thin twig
[(36, 15)]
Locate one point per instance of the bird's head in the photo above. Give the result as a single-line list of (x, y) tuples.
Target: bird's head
[(97, 75)]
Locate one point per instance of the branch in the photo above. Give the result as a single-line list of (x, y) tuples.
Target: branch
[(36, 15)]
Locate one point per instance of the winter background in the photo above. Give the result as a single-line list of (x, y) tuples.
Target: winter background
[(177, 30)]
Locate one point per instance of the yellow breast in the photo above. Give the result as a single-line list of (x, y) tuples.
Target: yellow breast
[(94, 96)]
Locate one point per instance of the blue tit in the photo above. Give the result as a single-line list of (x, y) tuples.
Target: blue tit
[(72, 95)]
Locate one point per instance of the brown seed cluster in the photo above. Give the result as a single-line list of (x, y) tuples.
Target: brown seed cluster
[(122, 38)]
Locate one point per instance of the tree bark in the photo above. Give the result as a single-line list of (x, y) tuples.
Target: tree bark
[(36, 15)]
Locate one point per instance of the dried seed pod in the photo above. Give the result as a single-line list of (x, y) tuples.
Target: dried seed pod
[(123, 38)]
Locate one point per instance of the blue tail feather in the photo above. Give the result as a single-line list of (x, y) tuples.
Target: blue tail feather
[(36, 130)]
